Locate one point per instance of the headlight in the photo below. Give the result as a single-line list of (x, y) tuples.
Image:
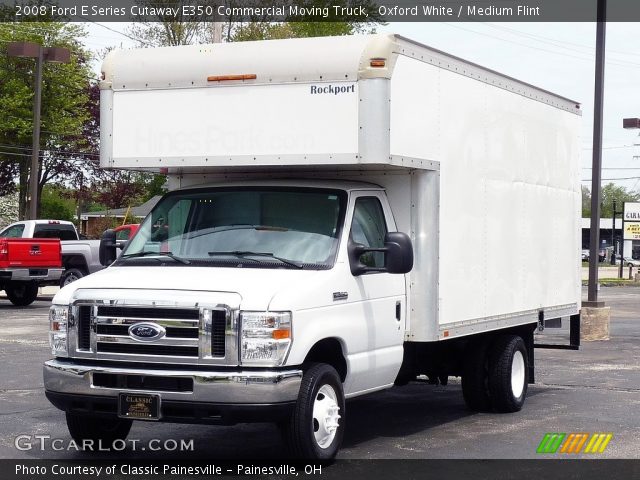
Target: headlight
[(266, 337), (58, 321)]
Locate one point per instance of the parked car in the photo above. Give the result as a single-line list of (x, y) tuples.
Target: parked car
[(602, 254), (631, 262), (79, 257)]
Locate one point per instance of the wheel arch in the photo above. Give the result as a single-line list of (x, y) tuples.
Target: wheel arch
[(330, 351), (75, 261)]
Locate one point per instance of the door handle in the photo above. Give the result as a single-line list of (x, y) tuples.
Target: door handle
[(398, 311)]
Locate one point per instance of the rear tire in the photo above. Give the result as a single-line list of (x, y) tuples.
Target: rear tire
[(508, 373), (98, 429), (22, 294), (475, 378), (70, 276), (315, 428)]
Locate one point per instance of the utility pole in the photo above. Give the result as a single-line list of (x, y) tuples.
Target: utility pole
[(41, 54), (596, 172)]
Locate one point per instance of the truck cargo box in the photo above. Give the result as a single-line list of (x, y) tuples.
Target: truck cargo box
[(481, 169)]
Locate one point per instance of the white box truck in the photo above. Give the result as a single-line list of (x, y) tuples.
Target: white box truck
[(344, 214)]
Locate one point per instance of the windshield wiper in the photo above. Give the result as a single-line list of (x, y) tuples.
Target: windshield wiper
[(157, 254), (244, 254)]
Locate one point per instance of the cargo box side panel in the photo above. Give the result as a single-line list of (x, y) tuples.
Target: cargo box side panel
[(231, 125), (509, 198)]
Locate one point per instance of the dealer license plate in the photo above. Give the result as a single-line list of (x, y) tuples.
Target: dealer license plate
[(139, 406)]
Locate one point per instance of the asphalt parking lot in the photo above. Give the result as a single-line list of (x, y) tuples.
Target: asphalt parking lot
[(596, 389)]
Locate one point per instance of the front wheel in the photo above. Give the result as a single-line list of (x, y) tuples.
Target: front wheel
[(316, 426), (22, 294), (99, 430)]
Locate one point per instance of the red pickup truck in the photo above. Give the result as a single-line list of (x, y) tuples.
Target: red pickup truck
[(26, 264)]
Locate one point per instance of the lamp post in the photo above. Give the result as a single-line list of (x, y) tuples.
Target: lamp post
[(41, 54), (613, 233), (596, 169)]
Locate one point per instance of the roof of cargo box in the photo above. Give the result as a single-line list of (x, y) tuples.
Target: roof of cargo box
[(341, 58)]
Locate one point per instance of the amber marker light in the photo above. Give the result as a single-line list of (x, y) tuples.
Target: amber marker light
[(226, 78), (377, 62), (281, 334)]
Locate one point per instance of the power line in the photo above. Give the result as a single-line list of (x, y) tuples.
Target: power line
[(613, 179), (555, 40), (123, 34), (612, 148), (619, 63)]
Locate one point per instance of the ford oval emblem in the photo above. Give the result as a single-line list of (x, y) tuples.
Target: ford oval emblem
[(146, 332)]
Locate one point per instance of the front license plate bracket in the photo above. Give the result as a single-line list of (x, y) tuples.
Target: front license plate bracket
[(139, 406)]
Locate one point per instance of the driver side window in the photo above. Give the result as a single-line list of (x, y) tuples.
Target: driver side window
[(369, 228)]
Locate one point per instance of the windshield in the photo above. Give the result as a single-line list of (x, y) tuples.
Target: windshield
[(248, 227)]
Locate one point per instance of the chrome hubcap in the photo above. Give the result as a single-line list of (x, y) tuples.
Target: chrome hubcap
[(326, 414)]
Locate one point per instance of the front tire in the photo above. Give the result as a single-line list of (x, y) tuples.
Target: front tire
[(315, 428), (98, 429), (508, 373), (22, 294)]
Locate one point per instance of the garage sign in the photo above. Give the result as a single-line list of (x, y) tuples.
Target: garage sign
[(632, 212)]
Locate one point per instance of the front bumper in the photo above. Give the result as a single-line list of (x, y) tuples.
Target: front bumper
[(225, 396), (28, 274)]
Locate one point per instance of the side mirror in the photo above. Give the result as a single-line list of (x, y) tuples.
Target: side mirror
[(107, 251), (398, 255)]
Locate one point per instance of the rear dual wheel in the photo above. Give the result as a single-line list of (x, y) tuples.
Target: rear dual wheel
[(496, 375)]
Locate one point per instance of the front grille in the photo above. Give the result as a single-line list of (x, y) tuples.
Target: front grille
[(191, 334), (84, 327), (148, 349), (172, 332), (149, 312), (218, 327), (143, 382)]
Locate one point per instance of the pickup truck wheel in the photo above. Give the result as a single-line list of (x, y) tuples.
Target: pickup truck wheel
[(316, 426), (475, 378), (22, 294), (70, 276), (98, 429), (508, 376)]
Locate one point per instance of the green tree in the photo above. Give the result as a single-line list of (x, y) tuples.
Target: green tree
[(610, 192), (586, 202), (56, 204), (167, 30), (63, 111)]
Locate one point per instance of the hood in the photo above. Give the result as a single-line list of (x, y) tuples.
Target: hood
[(256, 287)]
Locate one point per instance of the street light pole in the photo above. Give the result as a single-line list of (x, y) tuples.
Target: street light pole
[(41, 54), (596, 171), (35, 148)]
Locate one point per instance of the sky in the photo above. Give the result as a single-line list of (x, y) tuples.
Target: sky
[(559, 57)]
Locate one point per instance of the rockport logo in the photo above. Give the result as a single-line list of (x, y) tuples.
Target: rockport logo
[(332, 89), (146, 332)]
